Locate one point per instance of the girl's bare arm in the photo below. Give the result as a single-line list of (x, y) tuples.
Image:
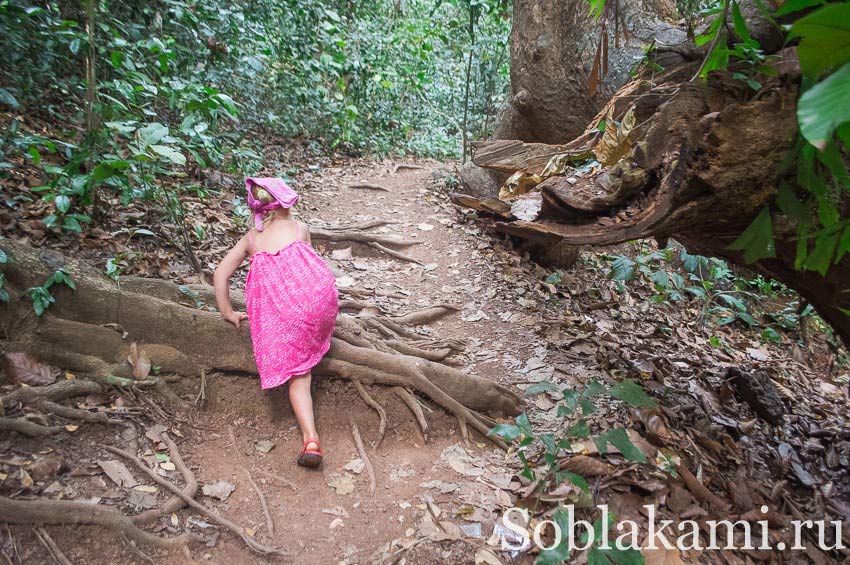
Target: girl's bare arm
[(221, 280)]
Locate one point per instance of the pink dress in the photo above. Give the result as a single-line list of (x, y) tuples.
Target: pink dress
[(291, 300)]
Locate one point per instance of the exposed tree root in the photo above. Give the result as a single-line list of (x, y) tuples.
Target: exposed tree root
[(263, 504), (396, 254), (51, 546), (174, 503), (214, 516), (369, 186), (372, 403), (68, 512), (412, 403), (28, 428), (84, 332), (358, 236), (400, 166), (358, 441)]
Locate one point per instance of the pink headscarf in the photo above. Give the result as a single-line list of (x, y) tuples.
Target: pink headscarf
[(284, 197)]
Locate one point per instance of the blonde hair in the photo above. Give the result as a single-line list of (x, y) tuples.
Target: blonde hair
[(265, 197)]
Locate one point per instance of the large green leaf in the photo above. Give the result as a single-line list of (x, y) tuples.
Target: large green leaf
[(826, 39), (8, 99), (757, 240), (632, 394), (619, 438), (825, 107), (170, 153)]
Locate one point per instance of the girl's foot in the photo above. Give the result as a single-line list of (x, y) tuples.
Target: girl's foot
[(311, 454)]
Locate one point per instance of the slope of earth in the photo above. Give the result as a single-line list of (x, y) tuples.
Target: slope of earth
[(521, 327)]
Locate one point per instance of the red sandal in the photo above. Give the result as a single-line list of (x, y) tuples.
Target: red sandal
[(311, 458)]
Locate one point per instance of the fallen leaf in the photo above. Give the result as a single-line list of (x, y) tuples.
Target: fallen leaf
[(661, 556), (264, 445), (118, 472), (342, 484), (139, 360), (72, 427), (220, 490), (486, 557), (355, 466), (22, 369), (146, 488), (340, 254)]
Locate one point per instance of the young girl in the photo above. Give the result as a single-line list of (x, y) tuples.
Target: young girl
[(291, 298)]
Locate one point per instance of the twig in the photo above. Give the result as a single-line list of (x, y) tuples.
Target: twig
[(269, 521), (214, 516), (51, 546), (360, 448), (174, 503), (393, 253), (382, 414), (369, 186), (400, 166), (699, 490)]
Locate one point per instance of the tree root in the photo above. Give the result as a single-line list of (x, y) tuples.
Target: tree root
[(396, 254), (57, 391), (51, 546), (68, 512), (358, 441), (372, 403), (214, 516), (412, 403), (357, 236), (174, 503), (76, 413), (269, 521), (369, 186), (24, 426)]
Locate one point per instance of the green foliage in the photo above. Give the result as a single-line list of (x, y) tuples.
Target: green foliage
[(41, 296)]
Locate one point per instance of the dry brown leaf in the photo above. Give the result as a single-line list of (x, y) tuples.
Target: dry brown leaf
[(616, 141), (139, 360), (23, 369), (661, 556), (654, 424), (585, 466)]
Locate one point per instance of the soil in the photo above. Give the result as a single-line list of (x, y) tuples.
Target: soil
[(517, 331)]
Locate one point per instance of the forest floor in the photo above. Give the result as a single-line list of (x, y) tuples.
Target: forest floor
[(520, 330)]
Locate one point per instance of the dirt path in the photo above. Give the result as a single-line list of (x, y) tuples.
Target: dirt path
[(329, 515)]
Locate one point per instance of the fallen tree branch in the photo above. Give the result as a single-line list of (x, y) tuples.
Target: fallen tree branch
[(69, 512), (212, 515)]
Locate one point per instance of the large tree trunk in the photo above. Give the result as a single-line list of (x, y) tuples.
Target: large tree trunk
[(89, 330)]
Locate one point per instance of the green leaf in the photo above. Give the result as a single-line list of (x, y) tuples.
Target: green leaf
[(63, 203), (152, 133), (507, 432), (169, 153), (826, 39), (580, 430), (821, 256), (227, 102), (632, 394), (577, 480), (796, 5), (619, 439), (561, 553), (102, 172), (537, 388), (824, 107), (622, 269), (7, 99), (757, 240), (740, 24), (789, 204), (4, 258)]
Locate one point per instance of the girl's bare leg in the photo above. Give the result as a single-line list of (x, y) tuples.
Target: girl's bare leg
[(302, 405)]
